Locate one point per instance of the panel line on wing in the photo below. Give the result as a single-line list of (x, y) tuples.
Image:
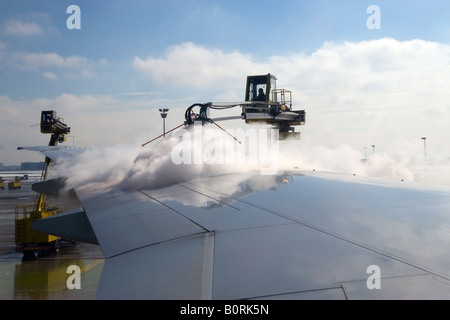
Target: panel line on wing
[(205, 195), (335, 235), (157, 243), (165, 205), (331, 292), (207, 266)]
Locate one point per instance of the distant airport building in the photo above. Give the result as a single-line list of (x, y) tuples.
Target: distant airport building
[(28, 166)]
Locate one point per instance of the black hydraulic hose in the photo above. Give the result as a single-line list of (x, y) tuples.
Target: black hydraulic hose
[(189, 112)]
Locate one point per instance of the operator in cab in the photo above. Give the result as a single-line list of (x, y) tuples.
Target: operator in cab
[(261, 96)]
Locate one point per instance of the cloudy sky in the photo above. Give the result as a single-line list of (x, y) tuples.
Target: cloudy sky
[(364, 76)]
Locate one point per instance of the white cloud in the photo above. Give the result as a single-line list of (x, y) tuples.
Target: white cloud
[(339, 74), (87, 74), (27, 60), (383, 92), (15, 27), (191, 65), (50, 75), (75, 66)]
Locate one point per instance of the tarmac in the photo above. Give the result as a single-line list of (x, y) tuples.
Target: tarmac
[(45, 278)]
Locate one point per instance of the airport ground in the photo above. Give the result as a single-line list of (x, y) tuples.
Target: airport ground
[(44, 278)]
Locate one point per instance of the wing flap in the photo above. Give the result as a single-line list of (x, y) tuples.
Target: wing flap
[(175, 269), (127, 221), (72, 224)]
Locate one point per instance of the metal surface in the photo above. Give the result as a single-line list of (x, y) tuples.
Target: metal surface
[(127, 221), (297, 235)]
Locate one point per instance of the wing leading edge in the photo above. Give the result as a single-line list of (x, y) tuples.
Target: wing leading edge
[(296, 235)]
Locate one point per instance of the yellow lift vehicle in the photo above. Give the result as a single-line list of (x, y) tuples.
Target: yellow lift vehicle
[(30, 242), (15, 184)]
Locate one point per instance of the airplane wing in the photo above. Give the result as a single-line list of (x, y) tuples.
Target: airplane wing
[(295, 235)]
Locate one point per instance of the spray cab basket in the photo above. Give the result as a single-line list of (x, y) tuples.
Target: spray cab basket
[(50, 123)]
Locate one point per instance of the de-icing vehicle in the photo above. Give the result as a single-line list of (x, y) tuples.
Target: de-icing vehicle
[(263, 104), (33, 243)]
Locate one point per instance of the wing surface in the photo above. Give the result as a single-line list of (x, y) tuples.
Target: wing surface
[(296, 235), (56, 153)]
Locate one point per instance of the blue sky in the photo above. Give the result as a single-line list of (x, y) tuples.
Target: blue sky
[(114, 32), (130, 58)]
